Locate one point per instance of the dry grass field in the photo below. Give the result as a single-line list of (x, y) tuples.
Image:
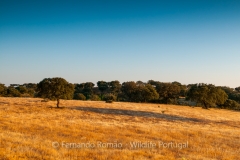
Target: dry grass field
[(32, 129)]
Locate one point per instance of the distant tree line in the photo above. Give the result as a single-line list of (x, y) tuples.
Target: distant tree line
[(204, 95), (17, 90)]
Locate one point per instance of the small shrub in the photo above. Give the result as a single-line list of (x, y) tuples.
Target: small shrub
[(95, 98), (231, 104), (109, 101), (109, 96), (79, 96)]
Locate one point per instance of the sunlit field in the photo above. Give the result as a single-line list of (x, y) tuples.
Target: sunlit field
[(33, 129)]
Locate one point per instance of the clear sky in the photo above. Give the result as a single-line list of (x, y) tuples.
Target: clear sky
[(190, 41)]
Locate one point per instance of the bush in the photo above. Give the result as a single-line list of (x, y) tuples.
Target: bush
[(12, 92), (95, 98), (109, 97), (231, 104), (79, 96), (109, 101)]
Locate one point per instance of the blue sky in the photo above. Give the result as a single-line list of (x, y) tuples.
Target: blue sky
[(190, 41)]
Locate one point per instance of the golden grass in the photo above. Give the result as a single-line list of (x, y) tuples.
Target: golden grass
[(29, 128)]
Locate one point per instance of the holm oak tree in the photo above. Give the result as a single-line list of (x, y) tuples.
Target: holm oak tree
[(55, 89)]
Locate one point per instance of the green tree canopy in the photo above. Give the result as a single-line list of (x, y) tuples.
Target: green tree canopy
[(235, 97), (22, 89), (12, 92), (232, 93), (88, 89), (79, 88), (231, 104), (79, 96), (85, 88), (102, 86), (168, 92), (207, 95), (115, 88), (153, 83), (3, 90), (147, 93), (139, 92), (55, 89), (129, 90), (228, 90)]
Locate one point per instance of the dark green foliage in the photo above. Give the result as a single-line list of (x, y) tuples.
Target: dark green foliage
[(207, 95), (88, 89), (18, 91), (139, 92), (140, 83), (153, 83), (177, 83), (168, 92), (128, 90), (114, 86), (79, 88), (231, 104), (22, 89), (79, 96), (219, 95), (183, 88), (235, 96), (145, 93), (12, 92), (85, 88), (183, 91), (153, 91), (95, 97), (3, 90), (109, 96), (31, 92), (55, 89), (109, 101), (25, 92), (30, 86), (31, 89), (96, 91), (232, 93), (228, 90), (102, 86)]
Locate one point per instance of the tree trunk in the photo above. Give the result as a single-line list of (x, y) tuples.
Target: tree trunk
[(205, 105), (58, 100)]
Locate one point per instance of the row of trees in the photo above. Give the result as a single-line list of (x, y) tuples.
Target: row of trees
[(205, 95), (16, 90)]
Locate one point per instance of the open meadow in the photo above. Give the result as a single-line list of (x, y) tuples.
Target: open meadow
[(33, 129)]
